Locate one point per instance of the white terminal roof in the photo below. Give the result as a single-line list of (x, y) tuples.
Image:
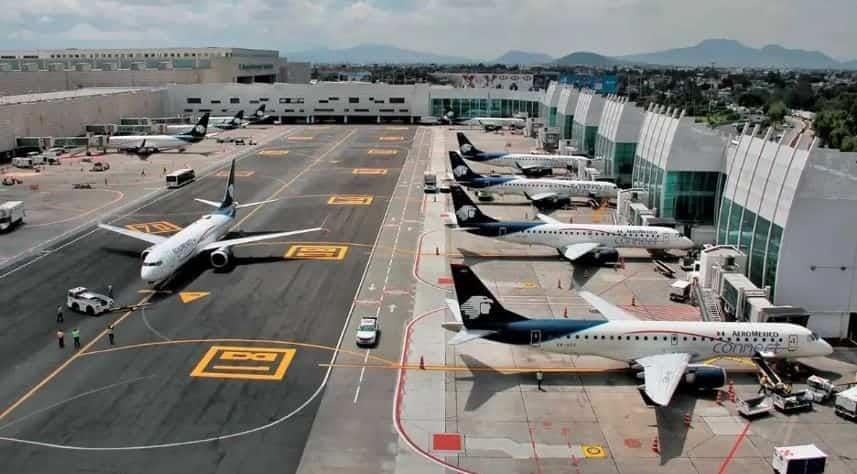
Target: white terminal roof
[(64, 95)]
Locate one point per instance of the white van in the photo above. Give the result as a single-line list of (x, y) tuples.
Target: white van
[(11, 214)]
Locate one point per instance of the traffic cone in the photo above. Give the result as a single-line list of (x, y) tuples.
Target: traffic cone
[(687, 419), (633, 301), (719, 399), (565, 312), (422, 363), (559, 283), (656, 448), (436, 250)]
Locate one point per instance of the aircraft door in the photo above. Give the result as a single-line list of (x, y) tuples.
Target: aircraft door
[(792, 343), (536, 337), (674, 339)]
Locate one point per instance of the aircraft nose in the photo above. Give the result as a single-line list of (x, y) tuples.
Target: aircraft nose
[(687, 243), (827, 349)]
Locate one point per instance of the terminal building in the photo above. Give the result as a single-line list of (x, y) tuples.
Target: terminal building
[(616, 140), (24, 72), (587, 117), (565, 111), (792, 210)]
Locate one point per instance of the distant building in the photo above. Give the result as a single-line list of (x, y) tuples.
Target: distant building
[(23, 72), (295, 73)]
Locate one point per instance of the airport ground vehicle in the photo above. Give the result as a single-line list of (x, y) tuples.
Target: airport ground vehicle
[(11, 214), (846, 404), (430, 183), (22, 162), (756, 406), (804, 459), (179, 178), (100, 166), (792, 403), (367, 332), (680, 291), (820, 388), (84, 301)]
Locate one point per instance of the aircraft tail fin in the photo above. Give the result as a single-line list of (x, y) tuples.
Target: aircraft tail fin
[(460, 169), (466, 211), (200, 129), (465, 146), (480, 310), (260, 111), (229, 194), (239, 116)]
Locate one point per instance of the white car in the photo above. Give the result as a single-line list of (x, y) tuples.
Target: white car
[(84, 301), (367, 332)]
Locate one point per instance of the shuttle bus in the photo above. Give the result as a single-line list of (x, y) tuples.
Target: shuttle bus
[(179, 178)]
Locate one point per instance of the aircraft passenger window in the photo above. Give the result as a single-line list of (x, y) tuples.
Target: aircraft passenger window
[(781, 339), (611, 338), (636, 338), (693, 338), (755, 339), (577, 337), (603, 337), (645, 338)]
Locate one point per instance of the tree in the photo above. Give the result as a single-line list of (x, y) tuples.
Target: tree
[(777, 111), (752, 99), (849, 143)]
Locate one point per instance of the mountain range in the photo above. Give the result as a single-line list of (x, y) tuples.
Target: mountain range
[(719, 52)]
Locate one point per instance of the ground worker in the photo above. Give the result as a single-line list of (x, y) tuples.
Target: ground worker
[(110, 291), (75, 334), (142, 172), (110, 335), (60, 338), (165, 170), (59, 314), (539, 377)]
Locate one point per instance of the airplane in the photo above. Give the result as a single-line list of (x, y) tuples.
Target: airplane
[(145, 145), (667, 351), (259, 116), (572, 241), (528, 163), (543, 192), (168, 254), (490, 124), (230, 122)]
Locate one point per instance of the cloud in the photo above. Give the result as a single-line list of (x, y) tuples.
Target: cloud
[(473, 28)]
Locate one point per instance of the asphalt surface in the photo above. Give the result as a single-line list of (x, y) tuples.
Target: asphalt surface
[(135, 407)]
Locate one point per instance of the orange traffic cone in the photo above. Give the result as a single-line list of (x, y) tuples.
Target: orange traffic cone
[(633, 301), (719, 399), (687, 419), (422, 363), (656, 448), (565, 312)]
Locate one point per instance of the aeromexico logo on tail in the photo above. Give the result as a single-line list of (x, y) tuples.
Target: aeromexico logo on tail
[(199, 129), (476, 306), (459, 171), (465, 213), (466, 148)]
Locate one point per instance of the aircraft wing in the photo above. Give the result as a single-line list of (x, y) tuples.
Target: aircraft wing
[(527, 167), (541, 196), (466, 335), (575, 251), (255, 238), (547, 219), (609, 311), (663, 372), (151, 238)]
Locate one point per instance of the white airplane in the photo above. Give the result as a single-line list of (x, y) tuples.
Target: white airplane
[(229, 122), (528, 163), (543, 192), (665, 350), (168, 254), (488, 123), (145, 145), (572, 241)]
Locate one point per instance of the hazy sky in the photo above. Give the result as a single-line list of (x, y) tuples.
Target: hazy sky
[(470, 28)]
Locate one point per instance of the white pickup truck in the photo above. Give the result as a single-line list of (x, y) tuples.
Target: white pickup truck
[(84, 301), (11, 214)]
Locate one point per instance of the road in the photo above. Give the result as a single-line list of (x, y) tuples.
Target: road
[(168, 397)]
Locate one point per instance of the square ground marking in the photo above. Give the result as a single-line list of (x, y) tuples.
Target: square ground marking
[(244, 363), (446, 442), (317, 252)]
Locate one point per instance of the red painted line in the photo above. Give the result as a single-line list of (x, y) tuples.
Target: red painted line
[(417, 261), (397, 400), (535, 454), (734, 449)]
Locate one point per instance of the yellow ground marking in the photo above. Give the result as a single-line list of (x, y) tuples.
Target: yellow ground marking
[(240, 359), (156, 227), (529, 285), (350, 200), (238, 173), (83, 351), (372, 171), (593, 451), (23, 398), (189, 296), (391, 138), (301, 139), (738, 360), (273, 152), (383, 151), (317, 252), (395, 128)]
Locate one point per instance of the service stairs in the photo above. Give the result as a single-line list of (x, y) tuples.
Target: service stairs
[(709, 304)]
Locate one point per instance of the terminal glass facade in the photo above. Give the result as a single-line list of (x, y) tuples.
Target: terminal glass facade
[(618, 159), (568, 122), (754, 235), (686, 196), (552, 117), (585, 137), (465, 108)]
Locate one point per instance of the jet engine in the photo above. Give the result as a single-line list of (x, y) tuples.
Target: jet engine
[(600, 256), (704, 377), (537, 172), (553, 203), (220, 258)]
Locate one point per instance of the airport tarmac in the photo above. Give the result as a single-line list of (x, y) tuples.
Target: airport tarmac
[(57, 211), (221, 372)]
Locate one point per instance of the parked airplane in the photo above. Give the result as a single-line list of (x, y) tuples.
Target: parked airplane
[(572, 241), (230, 122), (543, 192), (490, 124), (530, 164), (259, 116), (145, 145), (664, 350), (168, 254)]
